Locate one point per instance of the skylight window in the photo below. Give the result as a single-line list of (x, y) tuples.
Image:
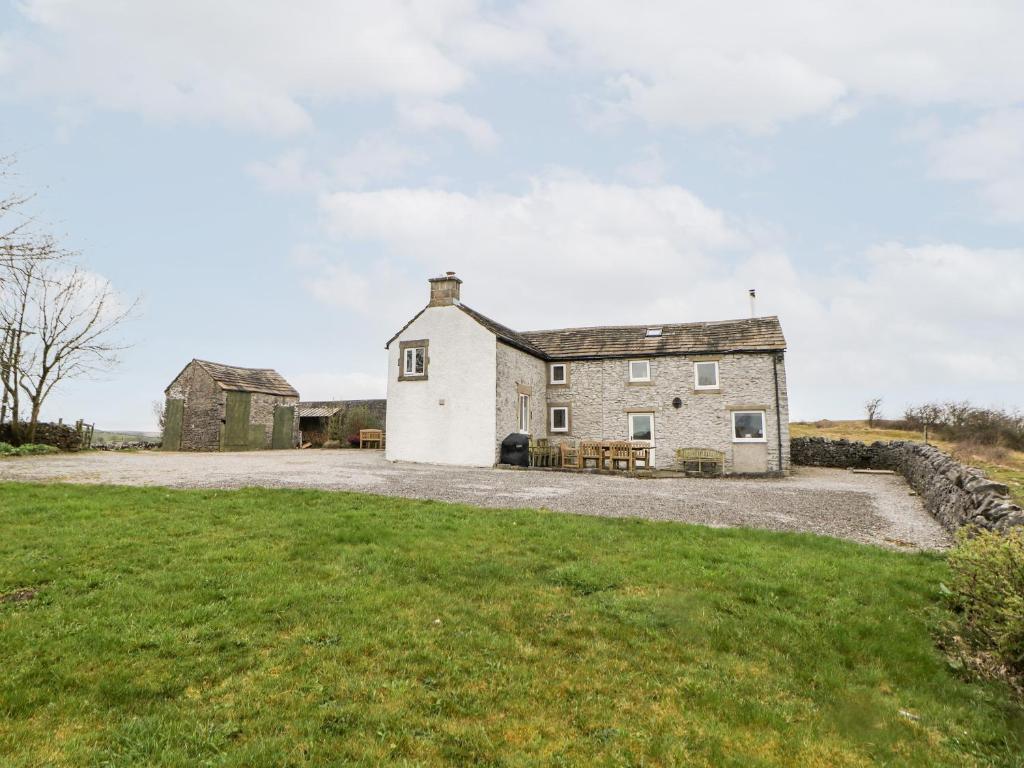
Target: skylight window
[(653, 333)]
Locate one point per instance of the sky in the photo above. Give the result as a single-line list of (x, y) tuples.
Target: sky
[(276, 181)]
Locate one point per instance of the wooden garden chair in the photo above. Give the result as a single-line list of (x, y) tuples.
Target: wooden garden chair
[(620, 452), (590, 450), (641, 453), (572, 456)]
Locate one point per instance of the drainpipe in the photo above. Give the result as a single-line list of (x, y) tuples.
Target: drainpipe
[(778, 414)]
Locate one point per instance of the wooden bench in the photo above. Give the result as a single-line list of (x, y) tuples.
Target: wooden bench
[(371, 438), (701, 457)]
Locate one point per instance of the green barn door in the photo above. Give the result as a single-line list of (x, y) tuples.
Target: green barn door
[(284, 421), (173, 418), (235, 434)]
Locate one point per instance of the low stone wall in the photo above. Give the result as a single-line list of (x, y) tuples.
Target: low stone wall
[(62, 436), (956, 495)]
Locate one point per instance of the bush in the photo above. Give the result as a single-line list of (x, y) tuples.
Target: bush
[(345, 427), (28, 449), (986, 592), (963, 422)]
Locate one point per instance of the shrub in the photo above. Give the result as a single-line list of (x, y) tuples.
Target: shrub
[(986, 591), (963, 422), (28, 449), (345, 427), (35, 449)]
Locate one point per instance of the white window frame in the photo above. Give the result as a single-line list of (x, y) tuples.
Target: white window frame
[(632, 379), (410, 354), (696, 378), (523, 412), (565, 373), (551, 418), (764, 428)]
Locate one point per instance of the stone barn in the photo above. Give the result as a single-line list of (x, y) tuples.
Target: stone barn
[(215, 407)]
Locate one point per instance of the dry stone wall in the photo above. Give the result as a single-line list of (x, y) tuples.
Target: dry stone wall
[(956, 495)]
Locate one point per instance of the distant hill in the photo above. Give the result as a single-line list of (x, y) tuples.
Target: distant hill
[(101, 436)]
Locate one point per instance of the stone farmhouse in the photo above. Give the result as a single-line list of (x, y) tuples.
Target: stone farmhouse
[(459, 383), (215, 407)]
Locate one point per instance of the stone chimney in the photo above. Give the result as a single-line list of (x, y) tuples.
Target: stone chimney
[(444, 291)]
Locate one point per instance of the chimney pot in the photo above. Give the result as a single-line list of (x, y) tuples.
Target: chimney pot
[(444, 291)]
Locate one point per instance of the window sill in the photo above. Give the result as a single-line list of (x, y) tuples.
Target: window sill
[(708, 391), (647, 383), (748, 440), (403, 377)]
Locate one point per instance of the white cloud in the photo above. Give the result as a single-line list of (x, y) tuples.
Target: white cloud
[(755, 64), (255, 64), (695, 64), (371, 160), (908, 322), (427, 115), (989, 153)]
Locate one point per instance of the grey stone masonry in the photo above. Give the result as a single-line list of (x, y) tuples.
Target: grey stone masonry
[(601, 397), (204, 410), (518, 372), (956, 495)]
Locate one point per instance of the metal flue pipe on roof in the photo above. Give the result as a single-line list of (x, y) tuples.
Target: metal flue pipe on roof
[(753, 302)]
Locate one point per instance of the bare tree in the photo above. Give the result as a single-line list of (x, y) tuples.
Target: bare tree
[(160, 412), (22, 249), (57, 321), (924, 417), (72, 316), (873, 407)]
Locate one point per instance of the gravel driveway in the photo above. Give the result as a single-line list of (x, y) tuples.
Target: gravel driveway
[(873, 509)]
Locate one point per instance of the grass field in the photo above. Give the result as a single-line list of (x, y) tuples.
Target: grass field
[(272, 628), (1001, 465)]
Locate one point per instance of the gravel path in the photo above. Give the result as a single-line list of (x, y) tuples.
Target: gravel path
[(872, 509)]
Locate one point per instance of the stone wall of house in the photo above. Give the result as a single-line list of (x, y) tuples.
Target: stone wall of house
[(956, 495), (203, 411), (601, 396), (518, 372)]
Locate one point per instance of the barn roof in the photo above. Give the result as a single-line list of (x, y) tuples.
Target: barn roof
[(319, 409), (232, 377)]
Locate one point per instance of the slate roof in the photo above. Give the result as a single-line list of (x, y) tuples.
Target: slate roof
[(265, 380), (506, 334), (754, 334), (747, 335)]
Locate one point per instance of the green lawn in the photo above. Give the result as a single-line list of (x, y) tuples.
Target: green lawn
[(270, 628)]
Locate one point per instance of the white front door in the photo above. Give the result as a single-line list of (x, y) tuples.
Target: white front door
[(641, 427)]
